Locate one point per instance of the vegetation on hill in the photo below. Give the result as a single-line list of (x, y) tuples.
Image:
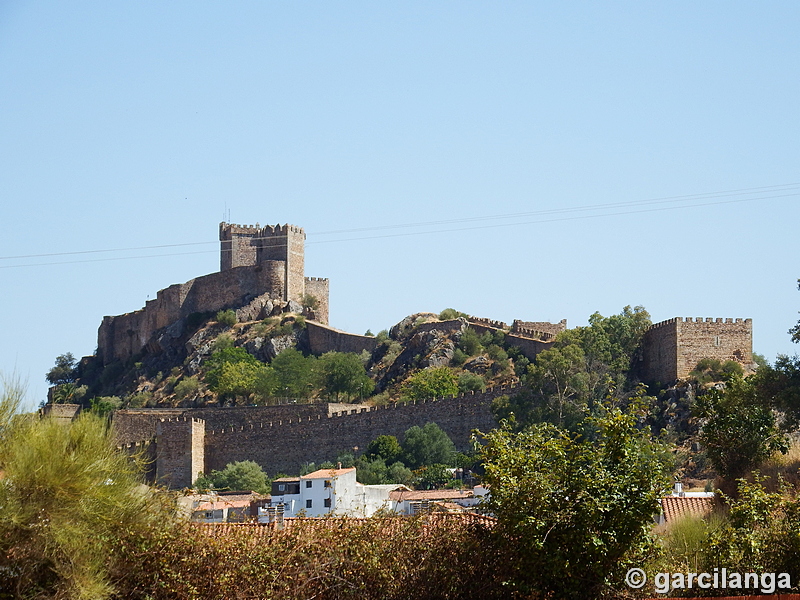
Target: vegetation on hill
[(574, 473)]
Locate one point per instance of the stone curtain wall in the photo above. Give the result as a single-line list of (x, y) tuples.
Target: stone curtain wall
[(660, 352), (322, 339), (319, 288), (285, 446), (552, 329), (123, 336), (672, 348), (283, 438)]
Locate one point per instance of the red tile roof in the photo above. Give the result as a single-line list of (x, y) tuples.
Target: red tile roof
[(675, 507), (327, 473), (414, 495)]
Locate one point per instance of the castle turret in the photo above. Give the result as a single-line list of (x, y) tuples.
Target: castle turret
[(248, 245)]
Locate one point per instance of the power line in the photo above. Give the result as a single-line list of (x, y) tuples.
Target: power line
[(601, 210)]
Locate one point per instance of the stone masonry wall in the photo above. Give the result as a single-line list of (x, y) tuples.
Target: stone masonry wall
[(125, 335), (672, 348), (322, 339), (180, 451), (282, 438), (285, 447), (319, 288)]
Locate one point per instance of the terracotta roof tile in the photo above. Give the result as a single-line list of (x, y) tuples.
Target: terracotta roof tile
[(327, 473), (675, 507)]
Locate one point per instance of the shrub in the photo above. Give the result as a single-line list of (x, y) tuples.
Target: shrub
[(223, 341), (226, 318), (459, 357), (139, 399), (433, 382), (471, 382), (470, 342), (68, 498), (451, 313), (309, 301), (187, 387)]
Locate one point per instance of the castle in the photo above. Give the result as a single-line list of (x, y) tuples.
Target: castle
[(261, 270)]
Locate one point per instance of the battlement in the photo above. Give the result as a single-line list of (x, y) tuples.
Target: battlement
[(672, 348), (487, 322), (323, 279), (533, 334), (488, 393), (229, 229)]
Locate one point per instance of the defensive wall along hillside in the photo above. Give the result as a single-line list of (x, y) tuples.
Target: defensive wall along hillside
[(285, 446), (283, 438)]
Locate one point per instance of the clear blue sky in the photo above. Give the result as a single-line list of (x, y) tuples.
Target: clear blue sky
[(125, 125)]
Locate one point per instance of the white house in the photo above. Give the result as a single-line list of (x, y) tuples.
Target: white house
[(328, 492)]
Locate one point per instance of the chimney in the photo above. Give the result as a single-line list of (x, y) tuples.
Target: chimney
[(678, 489)]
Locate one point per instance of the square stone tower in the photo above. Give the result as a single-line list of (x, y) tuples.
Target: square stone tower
[(251, 245), (672, 348)]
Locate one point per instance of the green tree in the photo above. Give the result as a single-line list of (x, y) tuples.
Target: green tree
[(232, 372), (187, 387), (386, 447), (105, 405), (343, 373), (577, 510), (371, 471), (243, 475), (64, 371), (432, 477), (451, 313), (433, 382), (69, 393), (739, 430), (711, 370), (560, 387), (295, 374), (778, 386), (470, 342), (427, 445), (310, 302)]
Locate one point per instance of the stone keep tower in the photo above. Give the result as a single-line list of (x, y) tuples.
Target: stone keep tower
[(248, 246), (672, 348)]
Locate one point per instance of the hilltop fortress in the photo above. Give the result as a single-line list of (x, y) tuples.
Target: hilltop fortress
[(261, 274), (261, 270)]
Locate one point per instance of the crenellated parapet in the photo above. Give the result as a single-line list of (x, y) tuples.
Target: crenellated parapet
[(672, 348)]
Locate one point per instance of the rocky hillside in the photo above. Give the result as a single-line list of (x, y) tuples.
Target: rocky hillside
[(178, 368)]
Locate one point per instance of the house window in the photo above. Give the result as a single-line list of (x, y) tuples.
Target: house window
[(209, 514), (327, 502), (327, 483), (308, 503), (281, 487), (308, 484)]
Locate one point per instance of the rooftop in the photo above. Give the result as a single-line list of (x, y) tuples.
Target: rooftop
[(326, 473), (675, 507)]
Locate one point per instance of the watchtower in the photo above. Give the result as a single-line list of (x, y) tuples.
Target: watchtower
[(250, 245)]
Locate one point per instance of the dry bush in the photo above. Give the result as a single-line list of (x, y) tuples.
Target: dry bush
[(380, 558)]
